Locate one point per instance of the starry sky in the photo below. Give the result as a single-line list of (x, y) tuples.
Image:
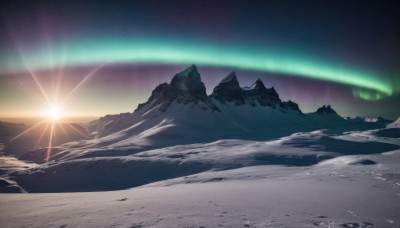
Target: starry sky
[(104, 57)]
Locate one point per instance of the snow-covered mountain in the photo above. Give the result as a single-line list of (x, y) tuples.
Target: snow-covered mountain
[(234, 109), (354, 118), (181, 112), (376, 120)]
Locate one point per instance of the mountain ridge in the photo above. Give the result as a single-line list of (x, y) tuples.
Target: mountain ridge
[(180, 112), (187, 87)]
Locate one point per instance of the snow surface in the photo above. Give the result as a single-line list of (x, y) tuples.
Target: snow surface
[(307, 179), (343, 192)]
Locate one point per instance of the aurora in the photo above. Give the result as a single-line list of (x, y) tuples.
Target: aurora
[(164, 51)]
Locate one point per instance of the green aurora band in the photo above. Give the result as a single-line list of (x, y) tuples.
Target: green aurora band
[(366, 85)]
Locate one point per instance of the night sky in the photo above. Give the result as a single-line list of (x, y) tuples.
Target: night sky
[(104, 57)]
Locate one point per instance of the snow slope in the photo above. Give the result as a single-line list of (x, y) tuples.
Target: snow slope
[(121, 172), (342, 192), (17, 139)]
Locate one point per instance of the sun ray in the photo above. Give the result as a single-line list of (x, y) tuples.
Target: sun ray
[(60, 76), (77, 130), (30, 71), (38, 84), (85, 78), (49, 147), (61, 126), (32, 74), (26, 131), (42, 135)]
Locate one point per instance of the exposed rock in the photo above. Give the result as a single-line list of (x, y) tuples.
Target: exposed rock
[(185, 87), (325, 110), (229, 90)]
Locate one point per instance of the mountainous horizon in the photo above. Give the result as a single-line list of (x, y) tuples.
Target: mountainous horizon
[(230, 111), (186, 87), (228, 90), (247, 107)]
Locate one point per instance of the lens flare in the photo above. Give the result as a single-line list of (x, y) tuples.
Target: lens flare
[(54, 113)]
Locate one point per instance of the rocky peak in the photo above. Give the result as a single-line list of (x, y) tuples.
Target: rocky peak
[(290, 105), (258, 85), (230, 81), (189, 73), (325, 110), (185, 87), (228, 89), (265, 97), (188, 84)]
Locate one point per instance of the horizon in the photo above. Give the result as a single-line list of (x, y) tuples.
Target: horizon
[(85, 117)]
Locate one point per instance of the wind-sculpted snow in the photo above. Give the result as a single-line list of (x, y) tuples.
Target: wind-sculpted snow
[(17, 139), (107, 171), (339, 192)]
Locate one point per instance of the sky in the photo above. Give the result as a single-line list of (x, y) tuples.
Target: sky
[(94, 58)]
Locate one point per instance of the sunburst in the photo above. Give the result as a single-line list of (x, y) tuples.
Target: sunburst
[(54, 115)]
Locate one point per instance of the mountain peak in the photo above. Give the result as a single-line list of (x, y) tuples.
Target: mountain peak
[(265, 97), (228, 89), (230, 81), (290, 105), (189, 82), (258, 85), (185, 87), (231, 78), (325, 110), (189, 71)]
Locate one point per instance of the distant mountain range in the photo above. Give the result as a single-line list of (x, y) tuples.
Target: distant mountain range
[(230, 111), (181, 112), (254, 109)]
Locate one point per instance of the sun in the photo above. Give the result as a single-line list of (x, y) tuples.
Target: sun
[(54, 113)]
